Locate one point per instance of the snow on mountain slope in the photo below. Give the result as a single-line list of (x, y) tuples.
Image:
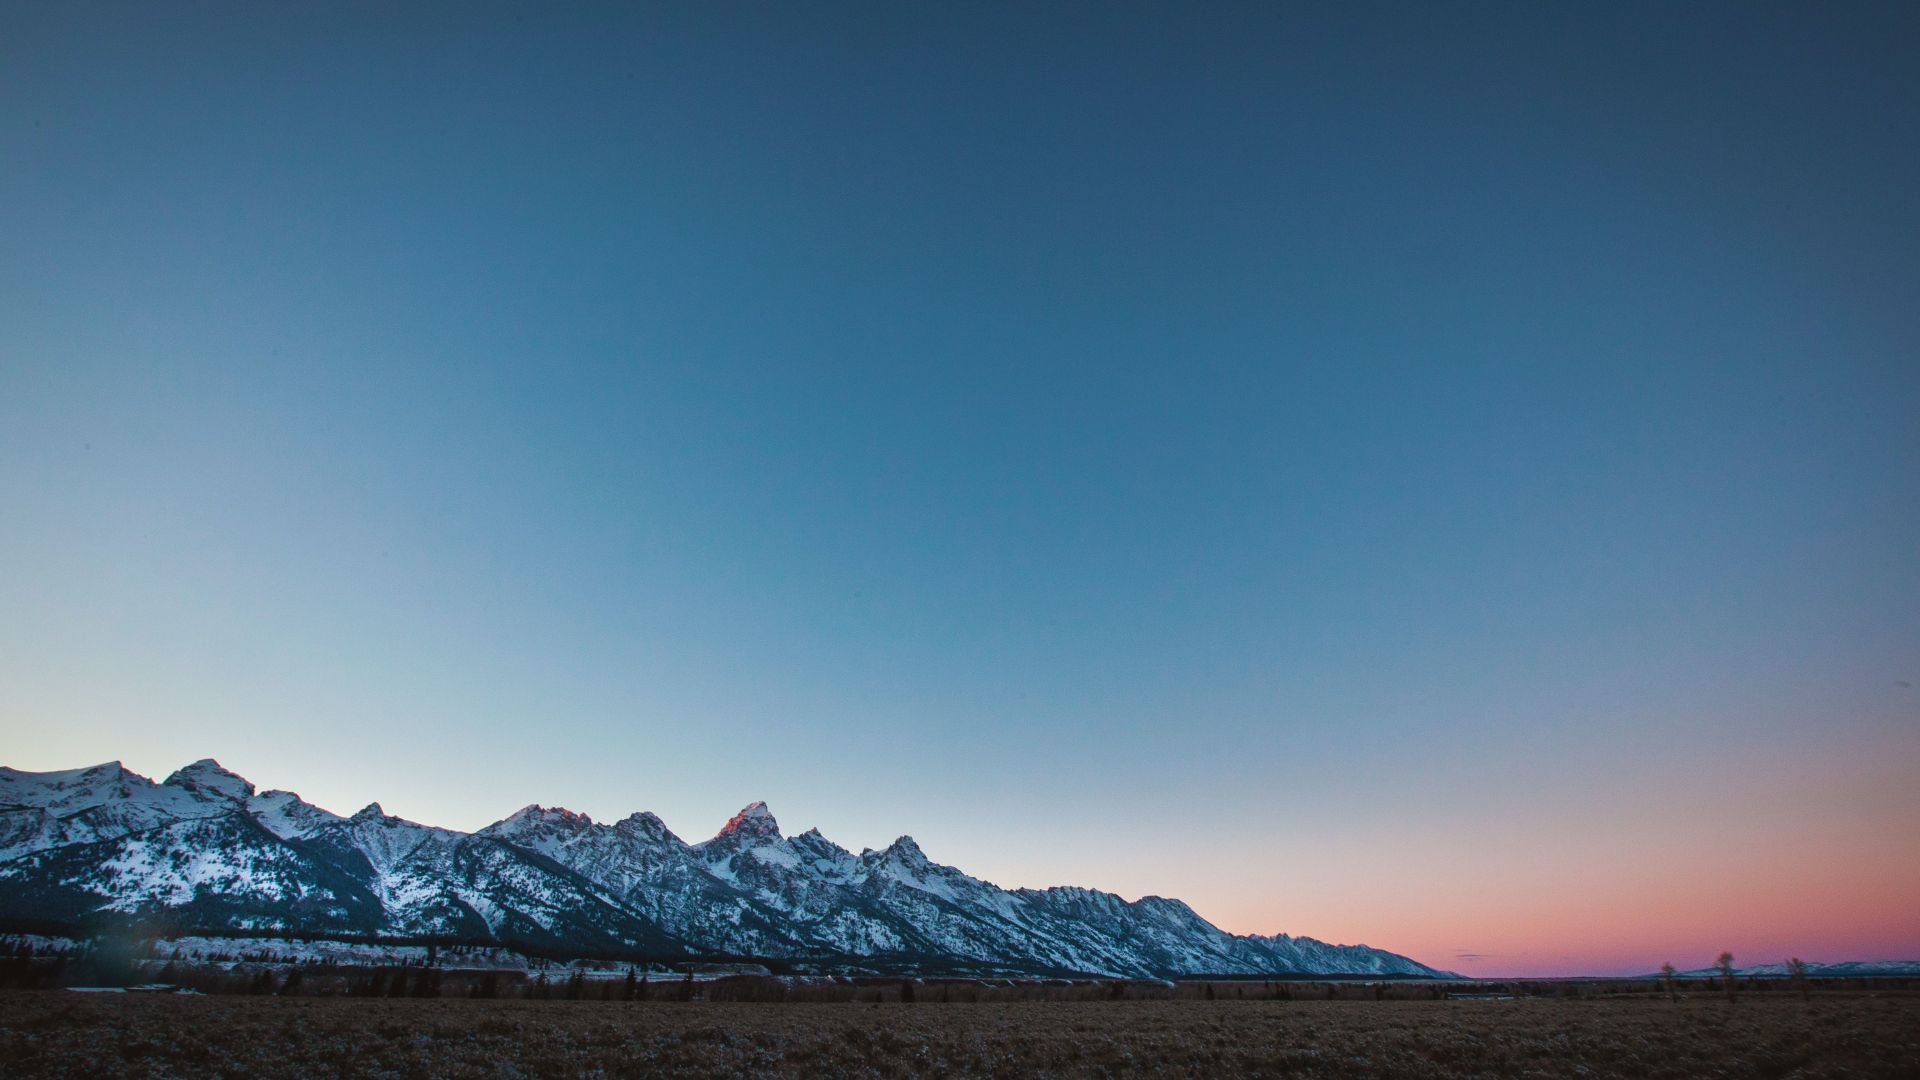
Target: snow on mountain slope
[(222, 871), (287, 816), (815, 886), (206, 782), (822, 858), (641, 864), (1281, 952), (442, 882), (74, 806), (1845, 968), (207, 850), (1850, 968)]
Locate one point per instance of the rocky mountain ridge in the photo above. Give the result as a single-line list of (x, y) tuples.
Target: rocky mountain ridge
[(204, 850)]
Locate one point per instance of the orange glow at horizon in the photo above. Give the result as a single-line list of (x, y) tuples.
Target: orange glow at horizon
[(1676, 879)]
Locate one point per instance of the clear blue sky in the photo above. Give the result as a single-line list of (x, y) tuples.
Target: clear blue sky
[(1263, 455)]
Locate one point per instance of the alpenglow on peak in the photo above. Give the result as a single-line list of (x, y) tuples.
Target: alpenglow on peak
[(754, 819)]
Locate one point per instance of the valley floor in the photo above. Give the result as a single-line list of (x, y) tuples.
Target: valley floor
[(54, 1033)]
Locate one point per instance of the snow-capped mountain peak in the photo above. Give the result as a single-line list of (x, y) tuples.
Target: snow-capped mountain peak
[(647, 824), (823, 859), (906, 849), (535, 816), (1167, 907), (814, 842), (206, 777), (753, 820), (41, 810), (69, 789), (287, 815)]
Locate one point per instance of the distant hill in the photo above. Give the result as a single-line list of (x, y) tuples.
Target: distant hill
[(1850, 967)]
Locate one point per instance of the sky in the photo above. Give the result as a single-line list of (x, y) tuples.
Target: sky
[(1439, 476)]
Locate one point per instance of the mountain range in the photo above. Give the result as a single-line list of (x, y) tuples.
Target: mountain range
[(204, 851), (1844, 969)]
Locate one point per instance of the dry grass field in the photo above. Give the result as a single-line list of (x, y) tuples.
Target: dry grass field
[(51, 1033)]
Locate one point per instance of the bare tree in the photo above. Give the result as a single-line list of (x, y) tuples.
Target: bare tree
[(1797, 970), (1725, 964), (1666, 979)]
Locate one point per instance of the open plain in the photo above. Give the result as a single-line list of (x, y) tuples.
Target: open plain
[(53, 1033)]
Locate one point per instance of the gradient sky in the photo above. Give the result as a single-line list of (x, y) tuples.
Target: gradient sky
[(1443, 477)]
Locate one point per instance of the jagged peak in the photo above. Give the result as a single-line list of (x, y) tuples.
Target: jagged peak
[(374, 813), (534, 814), (903, 850), (207, 775), (815, 840), (1077, 894), (646, 823), (754, 819)]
